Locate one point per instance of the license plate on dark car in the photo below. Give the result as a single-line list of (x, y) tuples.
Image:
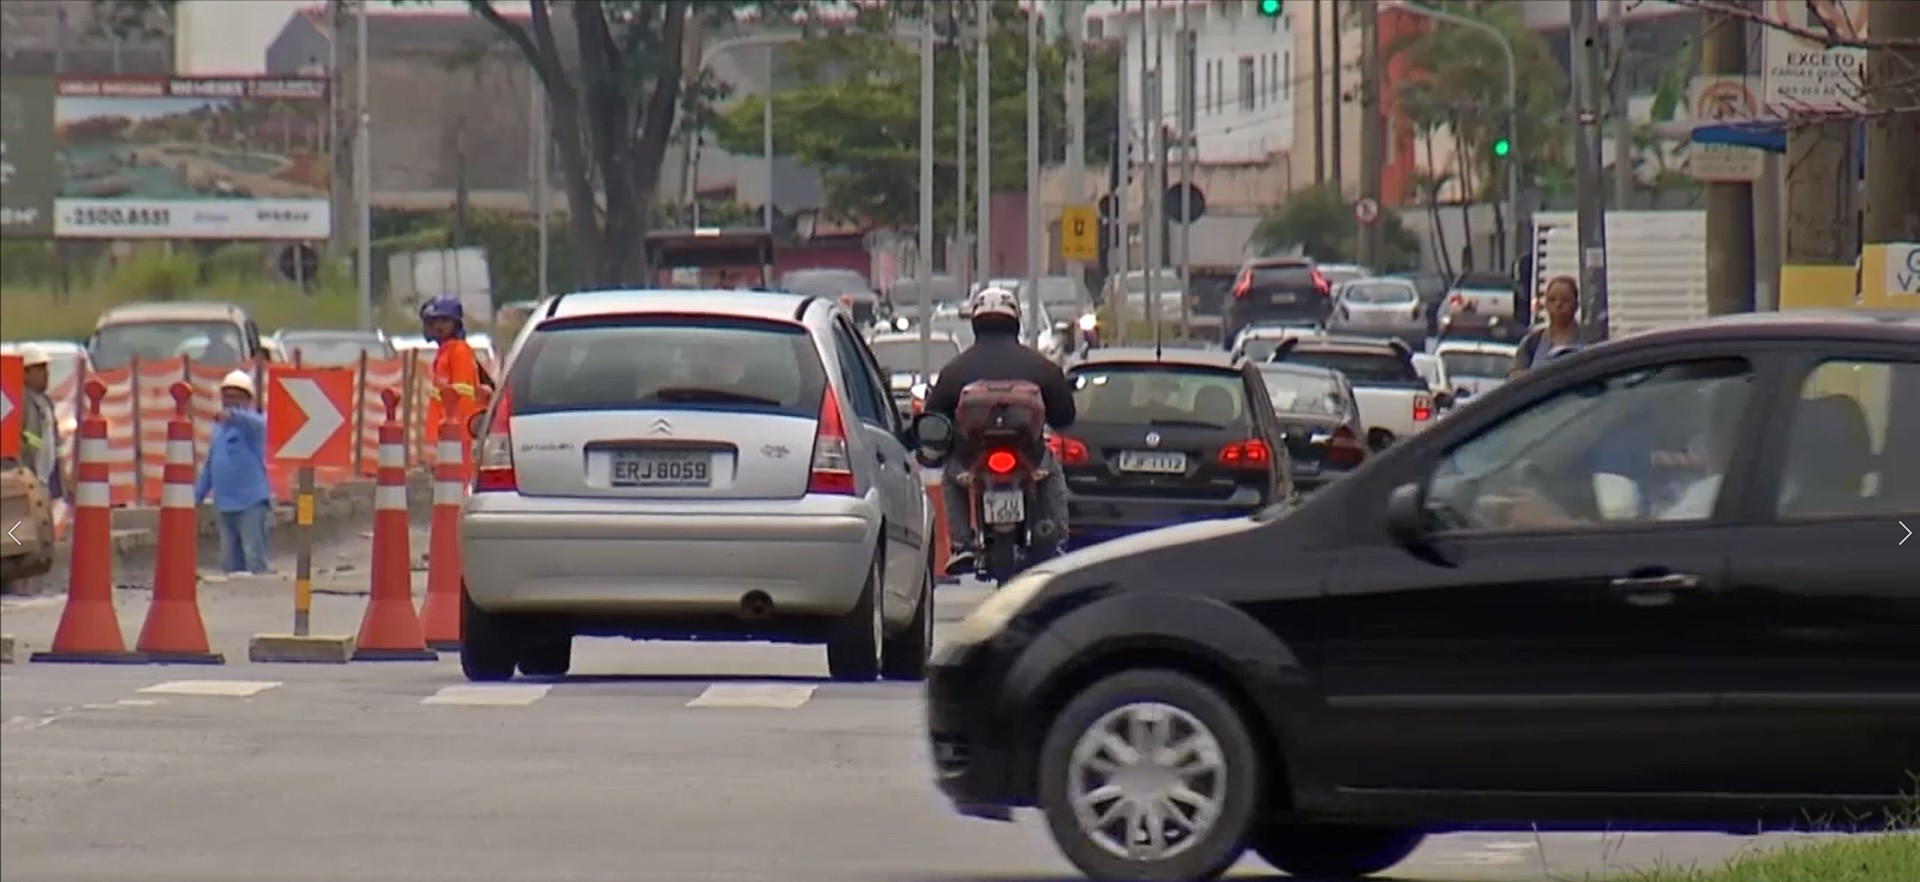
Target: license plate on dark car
[(1280, 297), (1153, 462), (662, 469)]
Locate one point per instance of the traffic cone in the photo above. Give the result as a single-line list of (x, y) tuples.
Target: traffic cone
[(174, 632), (942, 545), (390, 630), (440, 613), (89, 631)]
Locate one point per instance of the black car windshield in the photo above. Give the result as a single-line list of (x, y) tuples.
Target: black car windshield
[(209, 343), (1303, 392), (1362, 368), (1160, 394), (1477, 364), (621, 364), (903, 356), (1387, 293)]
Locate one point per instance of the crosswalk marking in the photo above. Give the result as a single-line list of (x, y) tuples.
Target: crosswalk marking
[(779, 696), (219, 688), (496, 695)]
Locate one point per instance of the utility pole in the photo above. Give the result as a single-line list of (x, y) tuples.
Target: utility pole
[(923, 268), (1122, 192), (1593, 207), (1076, 24), (1036, 229), (537, 173), (962, 254), (1319, 100), (1617, 87), (1730, 215), (1372, 126), (1336, 103), (363, 169), (1189, 50), (1149, 168), (982, 137), (1893, 140)]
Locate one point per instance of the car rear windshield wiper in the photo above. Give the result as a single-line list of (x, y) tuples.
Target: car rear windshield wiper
[(697, 394), (1190, 424)]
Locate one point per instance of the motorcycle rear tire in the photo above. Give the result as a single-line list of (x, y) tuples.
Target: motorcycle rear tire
[(1001, 557)]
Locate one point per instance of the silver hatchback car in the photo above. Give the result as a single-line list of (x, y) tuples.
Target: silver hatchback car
[(696, 465)]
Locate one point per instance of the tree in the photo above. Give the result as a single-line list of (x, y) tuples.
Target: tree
[(1460, 85), (133, 20), (1319, 222), (854, 112)]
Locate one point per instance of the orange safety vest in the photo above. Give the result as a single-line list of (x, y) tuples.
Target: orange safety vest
[(454, 367)]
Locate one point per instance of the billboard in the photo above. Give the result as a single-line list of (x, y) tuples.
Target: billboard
[(190, 158), (26, 157)]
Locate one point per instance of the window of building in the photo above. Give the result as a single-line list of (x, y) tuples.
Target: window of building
[(1248, 85), (1286, 75), (1206, 75), (1096, 28), (1261, 99)]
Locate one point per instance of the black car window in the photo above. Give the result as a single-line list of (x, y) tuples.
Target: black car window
[(1851, 425), (870, 401), (711, 362), (1289, 276), (1162, 394), (1651, 444), (1301, 392)]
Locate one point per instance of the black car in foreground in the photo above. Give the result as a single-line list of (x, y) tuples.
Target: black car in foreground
[(1659, 582), (1166, 437), (1319, 420)]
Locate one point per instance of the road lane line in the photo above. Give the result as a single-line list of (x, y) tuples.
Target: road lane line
[(778, 696), (214, 688), (501, 695)]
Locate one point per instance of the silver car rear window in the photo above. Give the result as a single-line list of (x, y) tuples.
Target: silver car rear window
[(673, 362), (1378, 292)]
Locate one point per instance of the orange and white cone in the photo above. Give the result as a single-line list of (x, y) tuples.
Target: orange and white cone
[(89, 630), (390, 630), (174, 632), (440, 612)]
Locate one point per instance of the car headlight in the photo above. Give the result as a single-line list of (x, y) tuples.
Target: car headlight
[(919, 390), (991, 617), (900, 323), (1088, 322)]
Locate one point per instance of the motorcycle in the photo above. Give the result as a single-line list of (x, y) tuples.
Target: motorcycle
[(999, 431)]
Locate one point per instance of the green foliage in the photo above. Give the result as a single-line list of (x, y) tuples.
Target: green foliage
[(1671, 92), (233, 262), (1461, 85), (24, 262), (155, 272), (132, 20), (854, 113), (1319, 222)]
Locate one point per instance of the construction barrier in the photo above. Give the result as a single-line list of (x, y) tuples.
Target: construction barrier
[(174, 632), (440, 613), (937, 504), (89, 630), (138, 405), (390, 630)]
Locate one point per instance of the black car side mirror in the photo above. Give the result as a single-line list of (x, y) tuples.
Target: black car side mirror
[(1462, 393), (1442, 400), (932, 437), (1407, 515)]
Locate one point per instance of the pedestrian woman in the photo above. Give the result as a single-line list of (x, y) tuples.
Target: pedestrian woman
[(1561, 302), (455, 367), (235, 474)]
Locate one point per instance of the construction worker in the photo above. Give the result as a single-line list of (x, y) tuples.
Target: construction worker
[(443, 321), (39, 423), (235, 477)]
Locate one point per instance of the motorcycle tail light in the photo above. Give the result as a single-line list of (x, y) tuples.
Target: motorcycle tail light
[(1002, 462)]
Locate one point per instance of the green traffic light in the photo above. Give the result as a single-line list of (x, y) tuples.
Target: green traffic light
[(1270, 7), (1502, 147)]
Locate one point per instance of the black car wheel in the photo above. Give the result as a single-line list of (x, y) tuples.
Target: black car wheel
[(1149, 776), (905, 654), (489, 647), (853, 649), (1333, 850), (549, 655)]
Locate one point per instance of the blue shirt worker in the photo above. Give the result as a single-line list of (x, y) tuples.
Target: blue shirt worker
[(235, 474)]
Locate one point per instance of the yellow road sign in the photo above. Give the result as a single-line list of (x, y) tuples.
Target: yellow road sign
[(1079, 233)]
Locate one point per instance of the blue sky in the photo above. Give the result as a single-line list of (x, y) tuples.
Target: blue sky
[(70, 109)]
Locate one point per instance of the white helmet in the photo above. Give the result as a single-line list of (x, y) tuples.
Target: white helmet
[(240, 380), (31, 355), (994, 301)]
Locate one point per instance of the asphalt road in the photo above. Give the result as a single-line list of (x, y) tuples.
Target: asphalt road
[(654, 763)]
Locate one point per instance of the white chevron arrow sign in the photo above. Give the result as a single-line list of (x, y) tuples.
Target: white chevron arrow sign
[(323, 419), (6, 404), (1909, 532)]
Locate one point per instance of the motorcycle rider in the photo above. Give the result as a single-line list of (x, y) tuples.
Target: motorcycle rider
[(998, 354)]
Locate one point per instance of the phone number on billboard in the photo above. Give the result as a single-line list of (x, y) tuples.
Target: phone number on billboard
[(95, 216)]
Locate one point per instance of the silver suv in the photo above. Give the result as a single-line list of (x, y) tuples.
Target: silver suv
[(694, 465)]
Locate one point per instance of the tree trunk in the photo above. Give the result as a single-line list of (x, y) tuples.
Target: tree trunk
[(1463, 159), (1439, 233)]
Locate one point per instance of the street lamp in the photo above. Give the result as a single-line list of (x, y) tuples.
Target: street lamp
[(1512, 231), (766, 107)]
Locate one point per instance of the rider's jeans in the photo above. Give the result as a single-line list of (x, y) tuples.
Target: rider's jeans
[(1052, 500)]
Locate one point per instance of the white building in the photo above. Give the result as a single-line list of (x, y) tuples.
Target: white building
[(1242, 87)]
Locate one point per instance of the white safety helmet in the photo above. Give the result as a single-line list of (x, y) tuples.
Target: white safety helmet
[(240, 380), (31, 355), (994, 301)]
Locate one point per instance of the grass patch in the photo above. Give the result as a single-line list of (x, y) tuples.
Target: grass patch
[(1882, 857)]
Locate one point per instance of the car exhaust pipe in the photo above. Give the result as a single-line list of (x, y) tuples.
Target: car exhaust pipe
[(756, 605)]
